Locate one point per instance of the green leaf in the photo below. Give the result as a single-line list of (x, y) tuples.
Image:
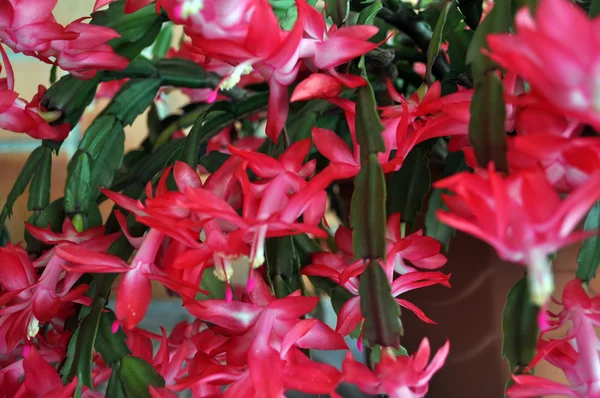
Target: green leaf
[(211, 284), (154, 124), (594, 8), (138, 68), (108, 161), (115, 386), (78, 189), (53, 72), (137, 375), (486, 127), (70, 96), (133, 99), (436, 39), (472, 10), (84, 346), (455, 162), (457, 50), (382, 323), (376, 353), (433, 227), (39, 190), (409, 186), (368, 124), (111, 346), (137, 31), (368, 216), (368, 14), (52, 215), (520, 327), (338, 11), (588, 259), (301, 129), (213, 160), (22, 182), (205, 130), (181, 72), (280, 256), (498, 20), (163, 41), (97, 135)]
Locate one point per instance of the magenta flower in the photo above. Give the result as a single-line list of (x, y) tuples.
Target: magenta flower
[(576, 354), (397, 376), (554, 53), (521, 216)]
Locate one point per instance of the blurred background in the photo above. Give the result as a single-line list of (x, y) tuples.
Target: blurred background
[(469, 314)]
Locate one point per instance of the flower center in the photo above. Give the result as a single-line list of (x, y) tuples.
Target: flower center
[(234, 78), (190, 8), (33, 328)]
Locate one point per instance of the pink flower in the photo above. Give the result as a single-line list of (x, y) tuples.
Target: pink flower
[(28, 25), (19, 116), (88, 52), (344, 270), (130, 309), (31, 301), (36, 368), (131, 6), (521, 216), (396, 376), (568, 163), (576, 354), (263, 355), (554, 52)]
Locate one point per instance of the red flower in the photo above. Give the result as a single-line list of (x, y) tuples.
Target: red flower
[(396, 376), (344, 270), (576, 354), (554, 53), (521, 216)]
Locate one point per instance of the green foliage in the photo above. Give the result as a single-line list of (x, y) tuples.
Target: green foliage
[(520, 327), (409, 186), (486, 126), (368, 216), (588, 259), (379, 308)]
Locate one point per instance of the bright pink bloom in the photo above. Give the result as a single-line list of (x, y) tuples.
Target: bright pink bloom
[(317, 85), (130, 309), (263, 355), (576, 354), (37, 369), (28, 26), (131, 6), (343, 269), (19, 116), (257, 42), (554, 52), (30, 301), (397, 376), (88, 52), (568, 163), (521, 216)]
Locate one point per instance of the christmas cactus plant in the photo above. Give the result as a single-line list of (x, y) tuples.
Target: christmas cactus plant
[(299, 168)]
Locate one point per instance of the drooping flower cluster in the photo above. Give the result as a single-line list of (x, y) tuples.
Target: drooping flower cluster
[(212, 240), (576, 354), (29, 27)]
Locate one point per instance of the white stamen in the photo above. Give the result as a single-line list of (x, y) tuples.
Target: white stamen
[(33, 328), (578, 100), (223, 270), (540, 279), (258, 247), (234, 77), (190, 8)]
